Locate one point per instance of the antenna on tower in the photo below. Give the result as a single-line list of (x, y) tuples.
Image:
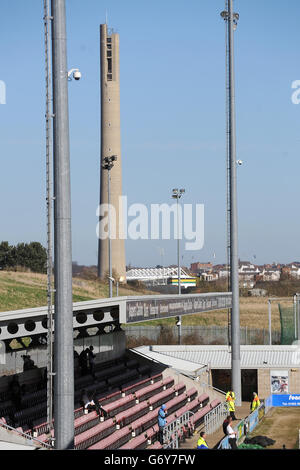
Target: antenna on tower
[(106, 17)]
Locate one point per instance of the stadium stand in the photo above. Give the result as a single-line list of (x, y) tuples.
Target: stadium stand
[(129, 392)]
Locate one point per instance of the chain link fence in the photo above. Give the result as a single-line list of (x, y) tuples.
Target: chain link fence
[(288, 323)]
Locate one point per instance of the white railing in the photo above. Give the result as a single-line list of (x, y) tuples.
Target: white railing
[(172, 430), (215, 418), (31, 440)]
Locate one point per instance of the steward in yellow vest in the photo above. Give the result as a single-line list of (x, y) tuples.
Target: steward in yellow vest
[(202, 444), (255, 402), (230, 399)]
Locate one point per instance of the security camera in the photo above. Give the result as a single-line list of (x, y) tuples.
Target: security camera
[(75, 73), (240, 162)]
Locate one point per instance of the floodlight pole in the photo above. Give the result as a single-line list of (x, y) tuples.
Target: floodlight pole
[(63, 332), (108, 164), (231, 21)]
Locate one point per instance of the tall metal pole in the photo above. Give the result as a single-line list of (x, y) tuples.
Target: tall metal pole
[(298, 316), (270, 321), (178, 249), (295, 317), (234, 266), (109, 236), (63, 345), (49, 199)]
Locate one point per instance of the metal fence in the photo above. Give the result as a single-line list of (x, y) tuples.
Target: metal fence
[(246, 426), (215, 418), (200, 334), (172, 431)]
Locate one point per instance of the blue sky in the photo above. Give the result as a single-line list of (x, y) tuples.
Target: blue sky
[(172, 120)]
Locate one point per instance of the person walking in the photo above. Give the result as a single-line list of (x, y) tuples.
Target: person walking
[(231, 434), (161, 423), (255, 402), (230, 399), (202, 444)]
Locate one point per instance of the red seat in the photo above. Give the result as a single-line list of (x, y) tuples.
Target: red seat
[(126, 417), (180, 388), (85, 422), (215, 403), (139, 442), (198, 417), (160, 398), (203, 399), (156, 445), (119, 405), (114, 441), (176, 403), (192, 393), (89, 437), (148, 391)]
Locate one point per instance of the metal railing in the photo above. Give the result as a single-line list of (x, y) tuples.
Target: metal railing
[(214, 419), (31, 440), (204, 385), (172, 431)]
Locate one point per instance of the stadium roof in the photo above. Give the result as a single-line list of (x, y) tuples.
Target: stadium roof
[(147, 274), (219, 357)]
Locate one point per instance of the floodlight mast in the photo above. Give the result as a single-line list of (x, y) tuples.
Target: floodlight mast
[(231, 19), (63, 344)]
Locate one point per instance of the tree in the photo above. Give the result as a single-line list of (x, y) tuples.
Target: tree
[(32, 256)]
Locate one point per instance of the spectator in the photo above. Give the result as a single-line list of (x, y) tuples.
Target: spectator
[(225, 424), (83, 361), (202, 444), (86, 402), (161, 423), (91, 405), (15, 390), (92, 358), (28, 363), (231, 434)]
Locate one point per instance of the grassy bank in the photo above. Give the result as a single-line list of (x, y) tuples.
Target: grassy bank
[(27, 290), (20, 290)]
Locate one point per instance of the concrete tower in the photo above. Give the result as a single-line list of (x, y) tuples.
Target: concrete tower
[(111, 145)]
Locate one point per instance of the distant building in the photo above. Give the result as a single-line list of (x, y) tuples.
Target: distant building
[(161, 276), (270, 274), (198, 267)]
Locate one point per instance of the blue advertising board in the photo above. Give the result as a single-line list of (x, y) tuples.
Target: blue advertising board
[(285, 400)]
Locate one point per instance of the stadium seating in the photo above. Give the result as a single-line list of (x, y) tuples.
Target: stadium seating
[(129, 392), (89, 437), (115, 441), (126, 417), (139, 442)]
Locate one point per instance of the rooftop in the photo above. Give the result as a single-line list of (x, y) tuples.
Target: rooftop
[(191, 358)]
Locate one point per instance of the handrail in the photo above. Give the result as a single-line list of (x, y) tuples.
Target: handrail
[(23, 434), (169, 428), (214, 388)]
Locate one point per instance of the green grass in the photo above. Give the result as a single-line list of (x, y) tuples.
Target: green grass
[(28, 290)]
